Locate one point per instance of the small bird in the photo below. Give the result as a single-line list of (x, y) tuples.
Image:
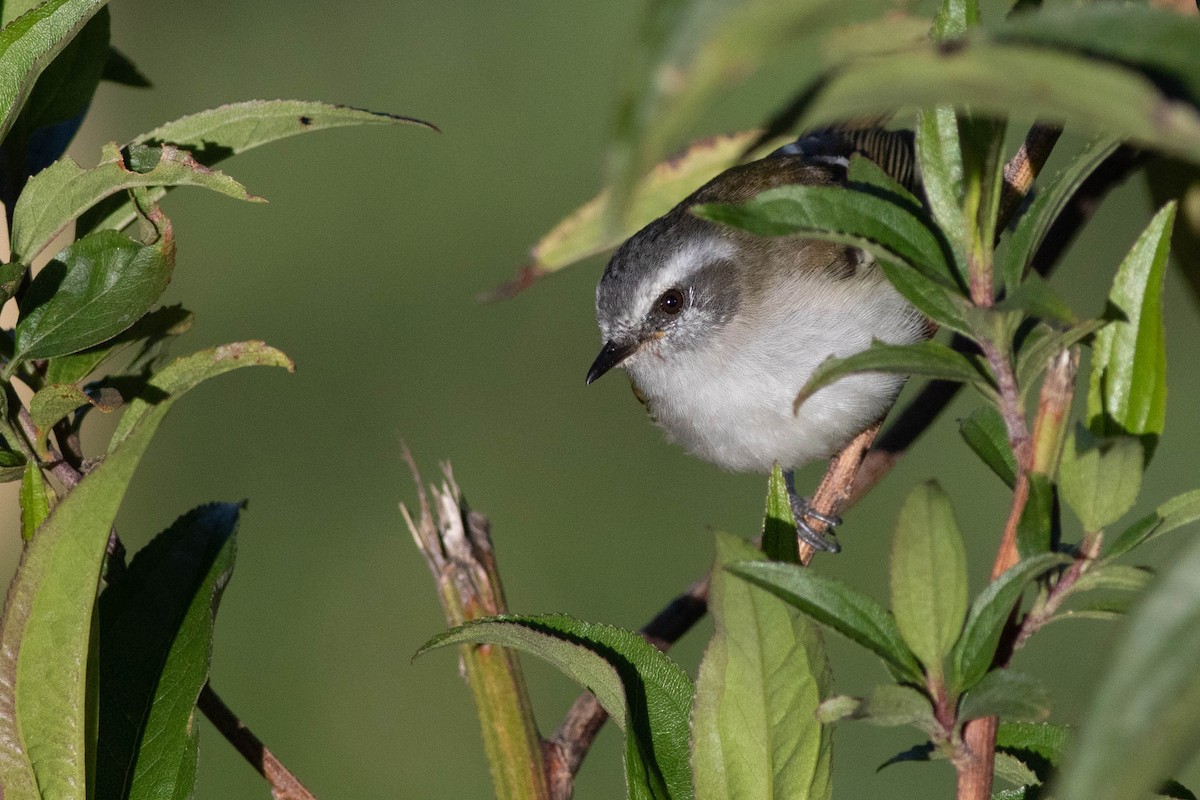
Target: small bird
[(719, 328)]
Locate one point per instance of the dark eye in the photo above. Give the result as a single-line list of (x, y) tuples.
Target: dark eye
[(671, 302)]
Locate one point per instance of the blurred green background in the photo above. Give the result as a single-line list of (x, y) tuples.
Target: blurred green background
[(364, 268)]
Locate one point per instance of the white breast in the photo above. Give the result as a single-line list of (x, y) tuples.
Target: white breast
[(730, 400)]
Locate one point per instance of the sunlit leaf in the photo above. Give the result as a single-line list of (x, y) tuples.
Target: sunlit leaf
[(1100, 481), (836, 605), (929, 576), (646, 694), (1127, 393), (889, 705), (1176, 512), (214, 135), (764, 673), (90, 292), (63, 191), (44, 642), (35, 500), (973, 652), (779, 523)]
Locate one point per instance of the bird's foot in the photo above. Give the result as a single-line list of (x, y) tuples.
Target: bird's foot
[(803, 511)]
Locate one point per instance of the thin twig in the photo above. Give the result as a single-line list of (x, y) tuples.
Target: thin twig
[(284, 785)]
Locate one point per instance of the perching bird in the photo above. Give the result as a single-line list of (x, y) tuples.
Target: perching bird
[(719, 328)]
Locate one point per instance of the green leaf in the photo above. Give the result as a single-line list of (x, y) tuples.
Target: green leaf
[(944, 306), (836, 605), (63, 191), (156, 629), (29, 43), (1008, 695), (1164, 48), (1043, 343), (12, 465), (939, 153), (44, 641), (973, 652), (688, 52), (1120, 577), (60, 98), (1100, 481), (928, 358), (150, 331), (954, 18), (1052, 197), (883, 228), (754, 733), (779, 524), (1037, 528), (984, 432), (1127, 393), (929, 576), (646, 694), (214, 135), (1005, 79), (1142, 724), (584, 233), (1175, 513), (54, 402), (35, 501), (93, 290), (889, 705)]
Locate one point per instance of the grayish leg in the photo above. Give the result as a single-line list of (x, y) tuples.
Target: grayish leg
[(802, 510)]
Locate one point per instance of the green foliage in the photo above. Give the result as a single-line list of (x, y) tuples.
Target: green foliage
[(156, 622), (754, 729), (98, 699), (929, 577), (645, 693)]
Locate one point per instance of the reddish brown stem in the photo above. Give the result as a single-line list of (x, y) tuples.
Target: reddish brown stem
[(284, 785)]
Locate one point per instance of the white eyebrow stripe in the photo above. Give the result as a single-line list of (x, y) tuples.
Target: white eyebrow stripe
[(683, 263)]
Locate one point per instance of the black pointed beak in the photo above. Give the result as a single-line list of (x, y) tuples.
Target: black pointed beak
[(610, 356)]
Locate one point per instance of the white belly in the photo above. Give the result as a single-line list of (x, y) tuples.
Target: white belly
[(730, 401)]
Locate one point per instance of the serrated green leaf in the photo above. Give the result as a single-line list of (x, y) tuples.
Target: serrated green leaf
[(973, 652), (646, 694), (149, 331), (1127, 393), (779, 523), (928, 358), (1142, 724), (888, 705), (1038, 526), (929, 576), (984, 432), (44, 641), (1052, 197), (836, 605), (156, 628), (214, 135), (59, 194), (93, 290), (35, 500), (29, 43), (1044, 739), (883, 228), (754, 733), (1100, 481), (1008, 695)]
